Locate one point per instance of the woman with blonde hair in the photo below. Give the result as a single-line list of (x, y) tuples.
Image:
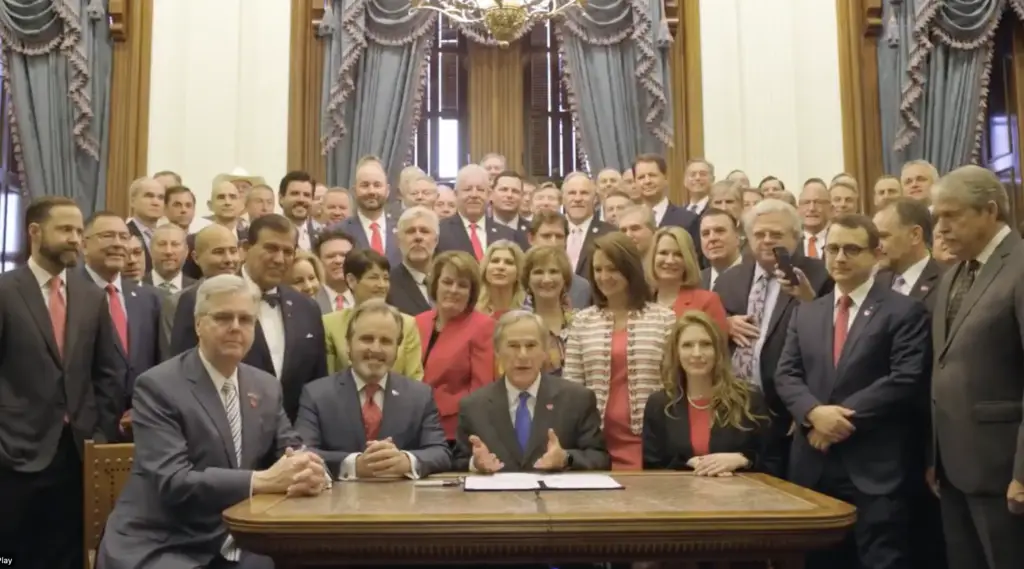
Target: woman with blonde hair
[(500, 270), (672, 270), (306, 274), (615, 347), (546, 278), (704, 419)]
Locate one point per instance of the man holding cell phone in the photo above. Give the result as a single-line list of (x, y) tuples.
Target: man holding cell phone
[(759, 295)]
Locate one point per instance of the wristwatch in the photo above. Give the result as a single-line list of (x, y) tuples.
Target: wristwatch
[(568, 460)]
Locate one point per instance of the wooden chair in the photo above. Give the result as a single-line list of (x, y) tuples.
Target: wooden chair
[(106, 470)]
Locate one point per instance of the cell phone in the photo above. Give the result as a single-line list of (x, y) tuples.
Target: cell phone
[(785, 264)]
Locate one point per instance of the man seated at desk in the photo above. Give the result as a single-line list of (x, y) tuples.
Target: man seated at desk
[(367, 422), (528, 421), (210, 432)]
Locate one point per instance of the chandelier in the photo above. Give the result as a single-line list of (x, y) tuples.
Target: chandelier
[(503, 19)]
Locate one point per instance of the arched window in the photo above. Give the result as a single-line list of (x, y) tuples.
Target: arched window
[(11, 206), (551, 148), (443, 130)]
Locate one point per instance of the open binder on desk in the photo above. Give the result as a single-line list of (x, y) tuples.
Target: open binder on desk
[(525, 481)]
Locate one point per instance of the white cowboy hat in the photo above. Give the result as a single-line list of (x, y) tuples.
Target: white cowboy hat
[(239, 174)]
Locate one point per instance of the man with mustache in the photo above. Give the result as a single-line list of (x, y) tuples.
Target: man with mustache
[(372, 226), (417, 239), (134, 308), (289, 341), (60, 383), (471, 229)]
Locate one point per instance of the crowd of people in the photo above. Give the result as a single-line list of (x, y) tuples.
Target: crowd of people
[(505, 325)]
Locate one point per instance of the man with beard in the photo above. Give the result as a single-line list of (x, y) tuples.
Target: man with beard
[(295, 193), (60, 384), (371, 226), (417, 239), (289, 342)]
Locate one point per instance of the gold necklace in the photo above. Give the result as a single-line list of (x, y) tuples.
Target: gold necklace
[(695, 406)]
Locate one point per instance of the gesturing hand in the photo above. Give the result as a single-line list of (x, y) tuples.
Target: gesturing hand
[(484, 461), (554, 457)]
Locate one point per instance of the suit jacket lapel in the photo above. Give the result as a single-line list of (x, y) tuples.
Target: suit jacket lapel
[(208, 398), (781, 303), (395, 412), (292, 331), (926, 282), (460, 233), (939, 324), (133, 307), (828, 332), (863, 317), (259, 353), (351, 411), (355, 228), (543, 419), (491, 233), (985, 276), (502, 421), (249, 401), (32, 295), (75, 314), (408, 285)]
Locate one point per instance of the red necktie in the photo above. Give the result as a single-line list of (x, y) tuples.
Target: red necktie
[(58, 313), (842, 327), (372, 414), (376, 243), (478, 249), (812, 247), (118, 316)]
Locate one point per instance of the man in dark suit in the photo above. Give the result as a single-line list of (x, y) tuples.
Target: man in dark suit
[(976, 385), (906, 266), (60, 384), (855, 365), (289, 340), (528, 421), (371, 226), (146, 197), (471, 229), (508, 192), (388, 425), (169, 250), (579, 197), (650, 172), (760, 304), (209, 433), (134, 308), (417, 239), (905, 228), (720, 243)]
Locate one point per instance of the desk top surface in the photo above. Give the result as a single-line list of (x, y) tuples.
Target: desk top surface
[(648, 497)]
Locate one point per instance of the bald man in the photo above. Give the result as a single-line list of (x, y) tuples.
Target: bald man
[(216, 253), (227, 204)]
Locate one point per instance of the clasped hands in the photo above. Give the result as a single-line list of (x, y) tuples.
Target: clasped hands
[(717, 464), (830, 425), (485, 462), (382, 459), (297, 473)]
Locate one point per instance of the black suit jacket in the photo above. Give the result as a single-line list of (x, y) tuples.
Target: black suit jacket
[(135, 230), (927, 285), (454, 237), (38, 387), (568, 408), (305, 355), (667, 443), (881, 376), (405, 294), (733, 286), (190, 269), (681, 217), (597, 228), (705, 278)]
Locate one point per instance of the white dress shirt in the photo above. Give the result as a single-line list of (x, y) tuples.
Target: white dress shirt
[(986, 253), (332, 296), (512, 223), (382, 228), (481, 230), (699, 207), (174, 283), (43, 278), (911, 276), (102, 283), (421, 281), (659, 210), (304, 241), (348, 466), (272, 323), (857, 297), (819, 242), (715, 274)]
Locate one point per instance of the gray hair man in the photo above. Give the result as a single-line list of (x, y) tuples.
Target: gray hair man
[(417, 239), (202, 444), (553, 424)]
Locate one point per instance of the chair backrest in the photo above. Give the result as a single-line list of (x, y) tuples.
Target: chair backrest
[(106, 471)]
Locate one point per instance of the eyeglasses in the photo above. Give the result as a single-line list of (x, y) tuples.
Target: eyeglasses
[(849, 249), (227, 319)]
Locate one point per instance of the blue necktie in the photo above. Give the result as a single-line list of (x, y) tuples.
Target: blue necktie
[(523, 421)]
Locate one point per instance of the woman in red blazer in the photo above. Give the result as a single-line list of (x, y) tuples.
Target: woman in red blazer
[(674, 276), (458, 353)]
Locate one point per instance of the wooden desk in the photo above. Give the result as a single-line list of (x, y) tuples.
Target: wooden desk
[(659, 516)]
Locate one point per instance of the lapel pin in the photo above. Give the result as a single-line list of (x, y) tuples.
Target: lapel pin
[(254, 400), (494, 230), (594, 230), (549, 406), (924, 288), (288, 302), (394, 392), (133, 293), (309, 335), (867, 312)]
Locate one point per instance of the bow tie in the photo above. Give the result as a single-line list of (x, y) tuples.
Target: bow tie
[(272, 298)]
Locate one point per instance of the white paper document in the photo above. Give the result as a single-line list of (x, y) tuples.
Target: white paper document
[(512, 481)]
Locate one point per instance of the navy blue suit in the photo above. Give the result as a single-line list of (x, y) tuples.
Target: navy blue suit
[(454, 237), (389, 231), (882, 375), (305, 355), (142, 303), (678, 216)]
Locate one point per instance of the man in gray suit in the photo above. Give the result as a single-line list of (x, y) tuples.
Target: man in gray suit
[(528, 421), (202, 445), (216, 253), (977, 385), (367, 422)]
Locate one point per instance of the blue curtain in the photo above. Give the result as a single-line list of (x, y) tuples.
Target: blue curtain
[(373, 78), (934, 63), (616, 67), (58, 56)]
